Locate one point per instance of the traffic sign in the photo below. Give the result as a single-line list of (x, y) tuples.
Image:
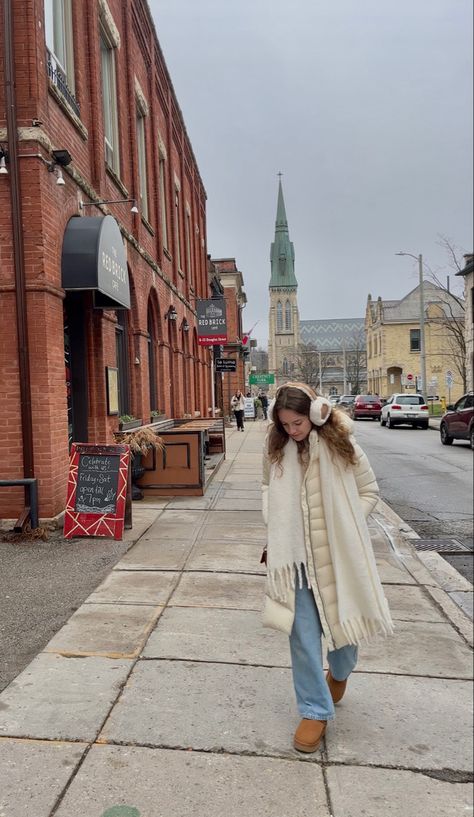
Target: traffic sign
[(261, 379), (410, 377), (449, 379)]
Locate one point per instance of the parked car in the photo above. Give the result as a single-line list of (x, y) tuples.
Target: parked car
[(334, 399), (366, 405), (405, 409), (458, 422), (346, 402)]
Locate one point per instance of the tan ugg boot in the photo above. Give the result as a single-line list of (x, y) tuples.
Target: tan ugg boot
[(336, 688), (308, 735)]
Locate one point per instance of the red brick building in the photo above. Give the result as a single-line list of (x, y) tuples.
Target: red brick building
[(232, 286), (106, 307)]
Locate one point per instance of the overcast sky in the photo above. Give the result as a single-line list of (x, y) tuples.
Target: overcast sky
[(366, 108)]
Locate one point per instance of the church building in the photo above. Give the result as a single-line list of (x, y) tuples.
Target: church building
[(284, 320), (329, 355)]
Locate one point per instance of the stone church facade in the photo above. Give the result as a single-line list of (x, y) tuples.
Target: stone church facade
[(328, 354)]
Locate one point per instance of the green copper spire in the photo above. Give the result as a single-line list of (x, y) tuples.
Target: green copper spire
[(282, 254)]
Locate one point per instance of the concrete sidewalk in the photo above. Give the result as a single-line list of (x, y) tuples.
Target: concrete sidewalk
[(164, 697)]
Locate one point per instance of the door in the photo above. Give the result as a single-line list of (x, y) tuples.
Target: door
[(75, 360)]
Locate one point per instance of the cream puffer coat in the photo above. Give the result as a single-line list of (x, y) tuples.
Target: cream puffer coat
[(318, 556)]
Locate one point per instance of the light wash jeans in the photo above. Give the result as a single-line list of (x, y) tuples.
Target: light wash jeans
[(312, 692)]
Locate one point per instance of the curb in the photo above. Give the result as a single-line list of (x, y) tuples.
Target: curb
[(434, 574)]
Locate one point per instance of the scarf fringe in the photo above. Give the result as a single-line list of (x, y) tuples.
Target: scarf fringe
[(358, 630), (281, 580)]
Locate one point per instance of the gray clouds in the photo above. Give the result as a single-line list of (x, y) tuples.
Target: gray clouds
[(365, 106)]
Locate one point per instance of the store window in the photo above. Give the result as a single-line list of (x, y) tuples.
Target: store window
[(121, 350), (152, 362)]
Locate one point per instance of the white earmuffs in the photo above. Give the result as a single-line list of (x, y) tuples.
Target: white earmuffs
[(315, 411)]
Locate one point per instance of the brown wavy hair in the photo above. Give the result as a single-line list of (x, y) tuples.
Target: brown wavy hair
[(334, 432)]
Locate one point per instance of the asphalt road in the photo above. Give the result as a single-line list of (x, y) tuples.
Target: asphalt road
[(428, 484)]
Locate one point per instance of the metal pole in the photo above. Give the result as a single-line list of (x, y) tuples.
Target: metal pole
[(18, 247), (213, 390), (422, 329), (344, 365)]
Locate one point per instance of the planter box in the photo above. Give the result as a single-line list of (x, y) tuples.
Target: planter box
[(130, 425), (157, 418)]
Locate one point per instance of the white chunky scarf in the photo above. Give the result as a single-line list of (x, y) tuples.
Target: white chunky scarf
[(362, 608)]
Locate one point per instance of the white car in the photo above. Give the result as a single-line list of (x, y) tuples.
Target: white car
[(405, 409)]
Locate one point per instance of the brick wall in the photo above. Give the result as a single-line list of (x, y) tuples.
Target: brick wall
[(157, 280)]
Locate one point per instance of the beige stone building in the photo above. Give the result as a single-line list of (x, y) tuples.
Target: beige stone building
[(393, 344), (468, 274)]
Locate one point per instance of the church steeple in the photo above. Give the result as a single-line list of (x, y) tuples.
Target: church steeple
[(282, 254)]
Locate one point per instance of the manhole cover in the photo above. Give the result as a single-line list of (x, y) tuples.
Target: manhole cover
[(441, 545)]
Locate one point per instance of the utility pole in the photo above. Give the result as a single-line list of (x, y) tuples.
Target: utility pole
[(419, 258)]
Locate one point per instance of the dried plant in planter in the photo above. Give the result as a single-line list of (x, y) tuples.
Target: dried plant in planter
[(141, 440)]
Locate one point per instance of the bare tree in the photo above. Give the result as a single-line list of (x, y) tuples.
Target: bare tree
[(310, 365), (356, 360), (450, 324)]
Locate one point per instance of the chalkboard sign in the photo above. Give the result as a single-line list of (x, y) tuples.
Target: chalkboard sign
[(97, 483), (97, 490)]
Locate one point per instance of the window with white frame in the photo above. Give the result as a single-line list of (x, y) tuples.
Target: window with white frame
[(142, 168), (162, 183), (177, 227), (109, 100), (187, 231), (59, 38)]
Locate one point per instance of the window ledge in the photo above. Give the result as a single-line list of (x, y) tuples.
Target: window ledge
[(115, 178), (64, 105), (148, 226), (180, 272)]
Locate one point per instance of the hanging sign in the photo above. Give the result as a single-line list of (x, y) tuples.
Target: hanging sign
[(225, 364), (211, 322), (96, 490)]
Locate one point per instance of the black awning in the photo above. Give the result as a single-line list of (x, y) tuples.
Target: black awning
[(93, 258)]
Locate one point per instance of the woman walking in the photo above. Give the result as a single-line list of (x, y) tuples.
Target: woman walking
[(322, 580), (238, 404)]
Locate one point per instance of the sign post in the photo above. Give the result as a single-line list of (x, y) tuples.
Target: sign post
[(449, 383), (96, 490)]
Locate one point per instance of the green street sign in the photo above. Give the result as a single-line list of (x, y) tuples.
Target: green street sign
[(261, 379)]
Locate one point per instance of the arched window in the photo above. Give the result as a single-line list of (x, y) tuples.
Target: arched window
[(287, 315), (279, 317), (152, 361), (284, 367)]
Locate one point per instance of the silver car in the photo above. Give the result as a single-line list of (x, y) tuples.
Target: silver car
[(405, 409)]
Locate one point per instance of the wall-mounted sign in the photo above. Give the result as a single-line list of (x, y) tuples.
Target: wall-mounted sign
[(93, 258), (211, 322), (96, 490), (226, 364), (264, 379)]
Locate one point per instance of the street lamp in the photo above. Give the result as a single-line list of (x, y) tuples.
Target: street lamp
[(419, 258)]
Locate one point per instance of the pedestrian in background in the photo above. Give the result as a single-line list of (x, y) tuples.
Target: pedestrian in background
[(318, 490), (237, 404), (264, 401)]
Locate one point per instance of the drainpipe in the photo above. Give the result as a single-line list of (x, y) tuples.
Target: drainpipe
[(18, 246)]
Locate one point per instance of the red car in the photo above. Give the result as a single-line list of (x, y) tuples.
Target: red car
[(458, 422), (367, 405)]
